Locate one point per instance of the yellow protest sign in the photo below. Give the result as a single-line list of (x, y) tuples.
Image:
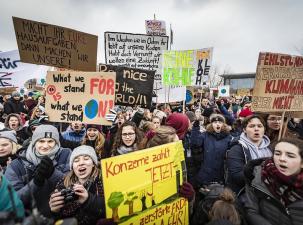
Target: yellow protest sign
[(80, 96), (46, 44), (140, 185), (279, 83)]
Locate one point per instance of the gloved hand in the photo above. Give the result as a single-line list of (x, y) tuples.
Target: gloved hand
[(106, 222), (44, 171), (187, 191), (249, 169)]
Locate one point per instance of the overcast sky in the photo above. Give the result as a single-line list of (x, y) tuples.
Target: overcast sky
[(237, 29)]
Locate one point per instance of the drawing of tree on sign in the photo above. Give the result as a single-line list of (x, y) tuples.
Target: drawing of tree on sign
[(5, 78), (130, 197), (114, 201)]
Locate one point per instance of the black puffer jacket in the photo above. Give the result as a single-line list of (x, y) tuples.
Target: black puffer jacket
[(262, 208)]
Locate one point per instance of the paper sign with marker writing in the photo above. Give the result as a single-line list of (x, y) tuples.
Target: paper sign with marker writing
[(80, 96), (130, 200), (46, 44)]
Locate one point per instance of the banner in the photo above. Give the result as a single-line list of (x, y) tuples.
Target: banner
[(14, 73), (133, 86), (223, 91), (193, 94), (51, 45), (186, 68), (137, 51), (130, 200), (80, 96), (155, 27), (279, 83)]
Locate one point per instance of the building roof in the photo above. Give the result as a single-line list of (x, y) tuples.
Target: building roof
[(238, 75)]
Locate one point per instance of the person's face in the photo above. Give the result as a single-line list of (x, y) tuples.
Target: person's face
[(156, 122), (6, 147), (16, 98), (120, 120), (254, 130), (77, 126), (45, 145), (39, 113), (274, 122), (41, 99), (198, 113), (13, 122), (204, 102), (238, 101), (92, 133), (128, 135), (217, 126), (287, 159), (83, 166)]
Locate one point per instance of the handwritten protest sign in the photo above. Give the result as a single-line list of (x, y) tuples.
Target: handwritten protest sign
[(279, 83), (130, 200), (133, 86), (80, 96), (51, 45), (186, 68), (155, 27), (136, 51)]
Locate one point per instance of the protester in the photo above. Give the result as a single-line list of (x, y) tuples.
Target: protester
[(156, 121), (274, 193), (8, 148), (13, 122), (87, 204), (252, 144), (180, 122), (30, 103), (74, 133), (95, 139), (14, 104), (37, 170), (9, 201), (127, 139), (37, 112), (273, 124), (295, 127), (211, 146)]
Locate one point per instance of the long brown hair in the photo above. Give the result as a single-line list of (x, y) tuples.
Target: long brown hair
[(99, 144), (118, 140), (225, 208)]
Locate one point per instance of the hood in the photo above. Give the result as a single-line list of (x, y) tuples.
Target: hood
[(15, 115)]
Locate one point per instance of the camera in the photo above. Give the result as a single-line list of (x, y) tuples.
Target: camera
[(69, 195)]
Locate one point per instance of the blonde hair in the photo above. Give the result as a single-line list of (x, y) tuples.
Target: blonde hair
[(99, 145)]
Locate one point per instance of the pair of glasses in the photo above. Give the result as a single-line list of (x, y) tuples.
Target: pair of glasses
[(128, 134)]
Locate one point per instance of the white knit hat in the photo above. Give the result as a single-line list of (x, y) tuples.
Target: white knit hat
[(83, 150)]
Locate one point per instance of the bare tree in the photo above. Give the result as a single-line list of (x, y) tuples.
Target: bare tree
[(215, 79)]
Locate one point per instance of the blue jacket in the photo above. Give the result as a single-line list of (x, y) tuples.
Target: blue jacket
[(73, 136), (20, 174), (214, 147)]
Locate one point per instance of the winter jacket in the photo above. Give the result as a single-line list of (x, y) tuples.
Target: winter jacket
[(214, 146), (91, 210), (263, 208), (71, 135), (20, 174), (13, 106)]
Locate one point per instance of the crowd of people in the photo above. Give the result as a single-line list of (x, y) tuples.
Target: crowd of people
[(233, 157)]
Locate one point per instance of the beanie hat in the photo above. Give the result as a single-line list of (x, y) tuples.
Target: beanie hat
[(15, 94), (191, 116), (245, 112), (217, 117), (45, 131), (10, 135), (83, 150), (98, 127), (180, 122)]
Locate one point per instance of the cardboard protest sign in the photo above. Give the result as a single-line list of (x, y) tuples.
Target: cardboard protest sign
[(130, 200), (14, 73), (279, 83), (186, 68), (46, 44), (155, 27), (133, 86), (80, 96), (243, 92), (136, 51), (223, 91)]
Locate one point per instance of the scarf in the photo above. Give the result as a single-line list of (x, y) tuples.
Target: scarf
[(35, 157), (262, 151), (287, 189), (124, 149)]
